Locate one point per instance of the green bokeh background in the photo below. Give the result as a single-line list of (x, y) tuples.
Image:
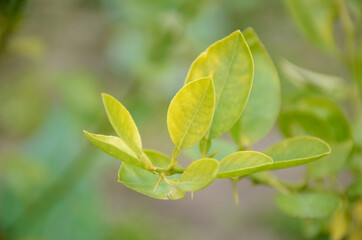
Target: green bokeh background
[(58, 59)]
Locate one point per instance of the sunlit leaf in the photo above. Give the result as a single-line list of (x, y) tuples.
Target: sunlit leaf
[(122, 123), (308, 205), (354, 161), (115, 147), (230, 63), (297, 151), (198, 175), (316, 18), (263, 105), (144, 181), (190, 113), (243, 163), (331, 164)]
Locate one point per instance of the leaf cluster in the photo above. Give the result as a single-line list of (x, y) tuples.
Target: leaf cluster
[(232, 86)]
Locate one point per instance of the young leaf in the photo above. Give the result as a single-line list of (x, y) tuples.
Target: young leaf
[(144, 181), (332, 163), (115, 147), (230, 63), (316, 19), (122, 122), (308, 205), (297, 151), (222, 148), (243, 163), (159, 160), (190, 113), (263, 105), (198, 175)]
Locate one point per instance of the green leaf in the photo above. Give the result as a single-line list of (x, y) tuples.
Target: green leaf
[(357, 132), (317, 116), (297, 122), (230, 64), (308, 205), (332, 163), (330, 111), (304, 78), (144, 181), (221, 147), (316, 18), (243, 163), (296, 151), (311, 228), (115, 147), (190, 113), (355, 190), (122, 122), (159, 160), (354, 161), (263, 105), (198, 175)]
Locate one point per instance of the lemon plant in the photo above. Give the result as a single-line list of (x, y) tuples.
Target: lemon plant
[(233, 87)]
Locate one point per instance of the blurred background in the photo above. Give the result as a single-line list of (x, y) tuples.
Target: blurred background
[(57, 57)]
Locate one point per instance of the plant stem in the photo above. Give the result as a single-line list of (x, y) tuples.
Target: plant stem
[(272, 181), (158, 182), (235, 190)]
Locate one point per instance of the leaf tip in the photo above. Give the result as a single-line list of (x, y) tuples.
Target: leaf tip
[(87, 134), (249, 30)]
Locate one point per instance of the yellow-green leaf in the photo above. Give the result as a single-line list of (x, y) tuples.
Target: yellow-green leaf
[(339, 225), (243, 163), (159, 160), (198, 175), (144, 181), (115, 147), (308, 205), (297, 151), (263, 105), (122, 122), (190, 113), (230, 63)]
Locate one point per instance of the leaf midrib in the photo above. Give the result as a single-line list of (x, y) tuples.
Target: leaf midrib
[(194, 115), (226, 77)]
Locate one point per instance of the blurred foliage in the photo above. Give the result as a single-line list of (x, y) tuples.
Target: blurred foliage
[(57, 56), (330, 107), (10, 16)]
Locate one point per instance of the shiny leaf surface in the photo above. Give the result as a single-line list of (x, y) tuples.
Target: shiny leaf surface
[(230, 64)]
